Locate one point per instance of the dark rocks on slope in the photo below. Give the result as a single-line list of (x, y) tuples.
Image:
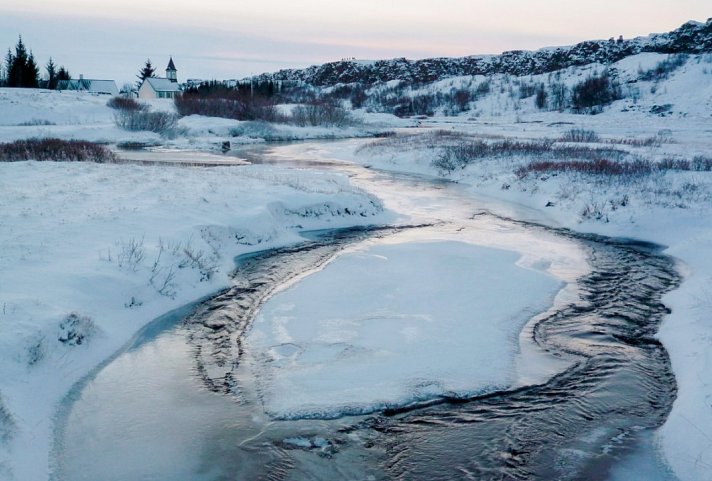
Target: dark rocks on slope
[(691, 38)]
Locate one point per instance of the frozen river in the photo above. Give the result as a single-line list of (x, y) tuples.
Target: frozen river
[(453, 344)]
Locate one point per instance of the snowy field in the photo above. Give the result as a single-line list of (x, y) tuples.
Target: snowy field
[(26, 113), (90, 253), (671, 208), (656, 211)]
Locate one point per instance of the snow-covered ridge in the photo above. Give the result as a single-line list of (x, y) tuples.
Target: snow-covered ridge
[(692, 37)]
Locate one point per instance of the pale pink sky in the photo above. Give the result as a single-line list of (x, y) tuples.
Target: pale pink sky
[(235, 38)]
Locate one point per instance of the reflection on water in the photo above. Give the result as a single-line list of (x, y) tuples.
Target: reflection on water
[(146, 417)]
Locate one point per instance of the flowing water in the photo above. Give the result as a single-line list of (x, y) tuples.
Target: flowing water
[(593, 382)]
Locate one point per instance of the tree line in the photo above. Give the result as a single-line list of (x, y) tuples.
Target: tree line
[(20, 69)]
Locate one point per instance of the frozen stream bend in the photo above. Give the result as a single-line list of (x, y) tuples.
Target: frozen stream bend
[(617, 382)]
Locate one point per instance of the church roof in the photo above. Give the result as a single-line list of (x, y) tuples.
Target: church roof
[(162, 84), (171, 65)]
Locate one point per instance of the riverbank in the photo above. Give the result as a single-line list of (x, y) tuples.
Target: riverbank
[(83, 236), (217, 224), (445, 199), (92, 252), (671, 209)]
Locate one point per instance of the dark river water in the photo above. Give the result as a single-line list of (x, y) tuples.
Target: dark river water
[(593, 382)]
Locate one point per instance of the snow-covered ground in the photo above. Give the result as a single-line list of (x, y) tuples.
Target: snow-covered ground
[(26, 113), (672, 208), (657, 209), (90, 253)]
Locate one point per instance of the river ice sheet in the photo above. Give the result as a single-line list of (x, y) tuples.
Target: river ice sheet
[(389, 325)]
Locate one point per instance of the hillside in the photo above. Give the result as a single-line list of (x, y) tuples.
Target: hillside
[(690, 38)]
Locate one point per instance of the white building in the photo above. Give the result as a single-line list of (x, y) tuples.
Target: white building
[(161, 88), (107, 87)]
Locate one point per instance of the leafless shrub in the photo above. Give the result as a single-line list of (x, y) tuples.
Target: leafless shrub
[(197, 259), (156, 267), (616, 168), (591, 94), (595, 211), (559, 95), (406, 99), (127, 104), (527, 90), (134, 145), (701, 163), (542, 96), (580, 135), (664, 68), (599, 166), (445, 134), (464, 153), (228, 104), (323, 114), (654, 141), (256, 129), (131, 253), (384, 134), (460, 155), (424, 104), (162, 277), (162, 280), (135, 120), (57, 150), (391, 142), (698, 164), (461, 98), (455, 150), (484, 88), (354, 92), (35, 122), (622, 201)]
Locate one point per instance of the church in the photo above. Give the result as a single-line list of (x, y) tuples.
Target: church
[(161, 88)]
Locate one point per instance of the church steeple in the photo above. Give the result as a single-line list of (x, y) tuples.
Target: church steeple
[(171, 72)]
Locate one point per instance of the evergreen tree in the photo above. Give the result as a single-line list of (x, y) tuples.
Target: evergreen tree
[(16, 65), (8, 61), (51, 70), (32, 73), (63, 74), (22, 70), (147, 71)]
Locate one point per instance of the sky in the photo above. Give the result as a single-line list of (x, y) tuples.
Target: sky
[(225, 39)]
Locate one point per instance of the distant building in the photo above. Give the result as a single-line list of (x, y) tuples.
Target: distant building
[(161, 88), (105, 87)]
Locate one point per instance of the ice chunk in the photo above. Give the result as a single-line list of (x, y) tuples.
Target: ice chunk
[(395, 324)]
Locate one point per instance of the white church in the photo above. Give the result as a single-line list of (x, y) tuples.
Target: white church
[(161, 88)]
